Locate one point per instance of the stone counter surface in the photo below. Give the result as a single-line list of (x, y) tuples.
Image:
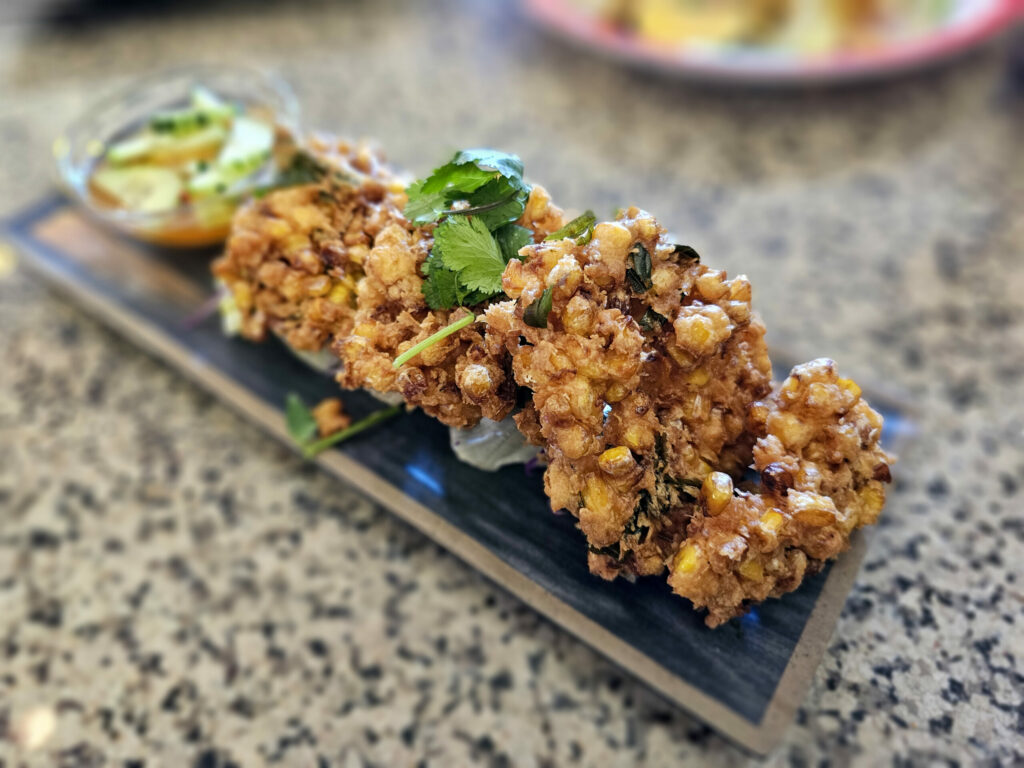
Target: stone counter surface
[(179, 591)]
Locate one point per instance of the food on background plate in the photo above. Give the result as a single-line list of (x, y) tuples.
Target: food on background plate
[(797, 26), (640, 373)]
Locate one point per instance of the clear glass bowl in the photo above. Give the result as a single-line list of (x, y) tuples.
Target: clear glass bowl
[(81, 146)]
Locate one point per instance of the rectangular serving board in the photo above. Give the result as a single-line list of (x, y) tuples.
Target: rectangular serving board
[(745, 679)]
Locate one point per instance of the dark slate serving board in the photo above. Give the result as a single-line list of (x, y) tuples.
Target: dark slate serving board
[(745, 679)]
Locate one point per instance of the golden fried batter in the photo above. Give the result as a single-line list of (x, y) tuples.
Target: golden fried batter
[(822, 476)]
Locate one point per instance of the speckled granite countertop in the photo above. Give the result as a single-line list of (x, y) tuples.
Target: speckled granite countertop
[(179, 591)]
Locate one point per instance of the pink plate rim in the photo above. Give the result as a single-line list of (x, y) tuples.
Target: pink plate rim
[(598, 35)]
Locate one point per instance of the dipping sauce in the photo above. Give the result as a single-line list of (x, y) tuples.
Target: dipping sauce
[(184, 170)]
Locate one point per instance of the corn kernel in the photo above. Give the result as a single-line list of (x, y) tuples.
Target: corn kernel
[(366, 330), (318, 286), (681, 357), (811, 508), (595, 495), (578, 317), (243, 296), (873, 500), (850, 386), (752, 570), (699, 377), (358, 253), (339, 294), (739, 289), (771, 521), (277, 228), (296, 242), (711, 285), (616, 461), (698, 333), (816, 518), (687, 560), (717, 492), (616, 392), (639, 437)]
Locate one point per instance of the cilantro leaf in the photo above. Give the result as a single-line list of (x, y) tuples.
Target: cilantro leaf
[(458, 179), (498, 202), (502, 162), (511, 239), (466, 261), (299, 419), (467, 247), (423, 208), (441, 286)]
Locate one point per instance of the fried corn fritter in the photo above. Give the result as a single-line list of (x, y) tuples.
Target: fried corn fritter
[(822, 475), (647, 377), (641, 382), (294, 257), (458, 380)]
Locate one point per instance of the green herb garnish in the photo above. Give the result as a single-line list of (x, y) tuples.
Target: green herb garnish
[(686, 252), (467, 247), (302, 426), (431, 340), (469, 172), (639, 271), (651, 320), (580, 229), (536, 312), (302, 169), (299, 419), (473, 242), (511, 239)]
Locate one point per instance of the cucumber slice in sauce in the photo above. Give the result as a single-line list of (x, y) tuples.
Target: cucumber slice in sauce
[(145, 188), (204, 98), (167, 148), (205, 110), (248, 147)]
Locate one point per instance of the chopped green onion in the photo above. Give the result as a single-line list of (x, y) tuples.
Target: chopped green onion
[(536, 314), (431, 340), (311, 450)]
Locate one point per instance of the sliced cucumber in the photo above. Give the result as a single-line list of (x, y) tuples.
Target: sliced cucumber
[(206, 109), (132, 149), (248, 147), (204, 98), (168, 149), (145, 188)]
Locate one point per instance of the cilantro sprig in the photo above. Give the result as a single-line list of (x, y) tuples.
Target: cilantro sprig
[(302, 426), (477, 197)]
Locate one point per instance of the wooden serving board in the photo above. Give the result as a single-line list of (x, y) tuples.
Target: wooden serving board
[(745, 679)]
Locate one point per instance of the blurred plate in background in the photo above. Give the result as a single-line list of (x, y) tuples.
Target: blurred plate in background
[(778, 41)]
